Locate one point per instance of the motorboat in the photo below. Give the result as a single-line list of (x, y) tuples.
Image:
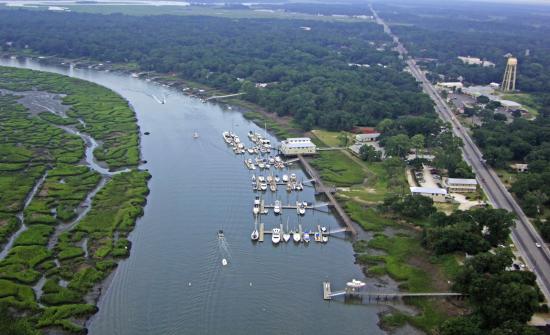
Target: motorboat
[(261, 179), (269, 178), (256, 208), (317, 236), (324, 229), (250, 134), (355, 284), (273, 187), (250, 151), (195, 135), (221, 236), (277, 179), (299, 187), (253, 176), (276, 236), (292, 177), (277, 207), (224, 262), (261, 165), (306, 237), (324, 238), (296, 236), (285, 178), (263, 186), (227, 137), (271, 160)]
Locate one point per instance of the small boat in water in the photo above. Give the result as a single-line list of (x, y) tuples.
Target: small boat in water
[(285, 178), (221, 236), (276, 236), (255, 235), (296, 236), (306, 237), (195, 135), (224, 262), (277, 207), (286, 233), (277, 179), (301, 208), (256, 208)]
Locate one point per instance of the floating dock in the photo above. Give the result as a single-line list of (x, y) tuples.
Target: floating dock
[(327, 291)]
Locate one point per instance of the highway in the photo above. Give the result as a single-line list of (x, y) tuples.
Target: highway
[(523, 234)]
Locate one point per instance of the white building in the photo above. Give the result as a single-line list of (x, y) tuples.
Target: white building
[(362, 138), (450, 85), (437, 194), (298, 146), (476, 61), (461, 185)]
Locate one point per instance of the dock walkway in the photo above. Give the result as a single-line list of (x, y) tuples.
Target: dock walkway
[(332, 200)]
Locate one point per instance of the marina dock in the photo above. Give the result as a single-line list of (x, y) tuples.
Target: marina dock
[(319, 186)]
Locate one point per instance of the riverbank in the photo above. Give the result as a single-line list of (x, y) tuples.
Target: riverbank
[(69, 176), (364, 195)]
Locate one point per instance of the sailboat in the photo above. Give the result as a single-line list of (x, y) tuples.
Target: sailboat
[(286, 234), (255, 235), (296, 236)]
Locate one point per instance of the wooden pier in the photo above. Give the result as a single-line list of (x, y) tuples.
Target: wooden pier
[(319, 186), (328, 294)]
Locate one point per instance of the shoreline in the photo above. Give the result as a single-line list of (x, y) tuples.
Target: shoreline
[(250, 111)]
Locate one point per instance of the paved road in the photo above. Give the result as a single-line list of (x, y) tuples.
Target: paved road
[(524, 234)]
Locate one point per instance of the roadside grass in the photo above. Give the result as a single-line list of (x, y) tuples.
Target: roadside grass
[(331, 138)]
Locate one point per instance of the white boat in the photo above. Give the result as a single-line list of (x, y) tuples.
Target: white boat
[(276, 236), (300, 208), (277, 179), (306, 237), (261, 179), (269, 178), (271, 160), (195, 135), (299, 187), (261, 165), (355, 284), (277, 207), (286, 233), (221, 236), (273, 187), (296, 236), (324, 238), (292, 177), (255, 235), (263, 186), (224, 262), (253, 176), (250, 151), (256, 208), (278, 159), (285, 178)]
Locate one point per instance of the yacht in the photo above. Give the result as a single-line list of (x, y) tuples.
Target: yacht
[(276, 236), (277, 179), (355, 284), (221, 236), (293, 177), (263, 186), (324, 238), (195, 135), (285, 178), (250, 151), (224, 262), (277, 207), (261, 179), (296, 236), (299, 187)]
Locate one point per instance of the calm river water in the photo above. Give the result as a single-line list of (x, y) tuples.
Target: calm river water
[(173, 282)]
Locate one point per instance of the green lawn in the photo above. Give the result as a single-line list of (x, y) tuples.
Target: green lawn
[(526, 100)]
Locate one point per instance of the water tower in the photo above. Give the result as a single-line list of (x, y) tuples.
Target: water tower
[(509, 79)]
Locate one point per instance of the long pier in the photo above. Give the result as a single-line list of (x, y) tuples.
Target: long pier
[(319, 186), (328, 294)]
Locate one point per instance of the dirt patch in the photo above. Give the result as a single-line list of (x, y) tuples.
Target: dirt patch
[(3, 223)]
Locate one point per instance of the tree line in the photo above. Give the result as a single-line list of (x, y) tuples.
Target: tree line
[(308, 73)]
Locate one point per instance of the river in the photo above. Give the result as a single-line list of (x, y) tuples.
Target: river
[(173, 282)]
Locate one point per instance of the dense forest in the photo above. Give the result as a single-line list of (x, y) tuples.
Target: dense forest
[(446, 31), (308, 71)]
